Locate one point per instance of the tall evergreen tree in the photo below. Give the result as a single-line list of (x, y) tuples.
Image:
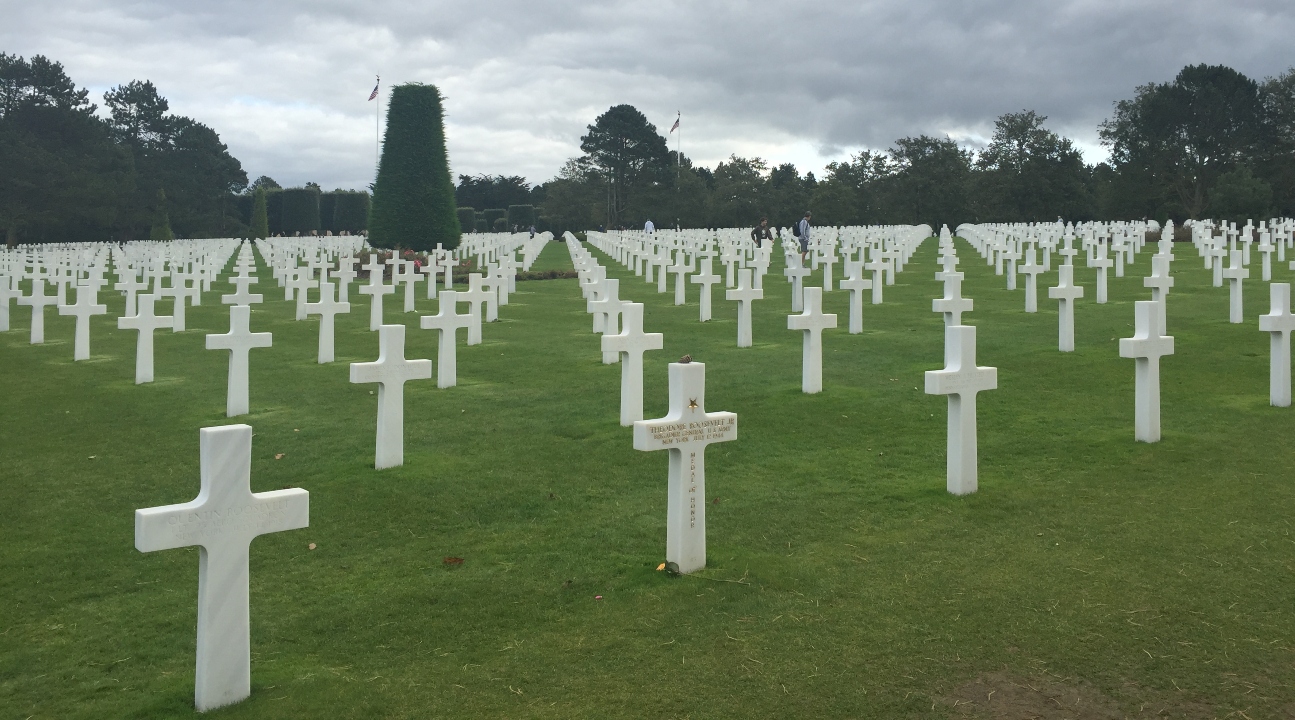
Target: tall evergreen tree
[(260, 218), (413, 197)]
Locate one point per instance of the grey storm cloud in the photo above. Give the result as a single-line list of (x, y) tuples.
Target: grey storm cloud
[(286, 83)]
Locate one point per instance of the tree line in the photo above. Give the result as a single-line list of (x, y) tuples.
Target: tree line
[(71, 173), (1210, 143)]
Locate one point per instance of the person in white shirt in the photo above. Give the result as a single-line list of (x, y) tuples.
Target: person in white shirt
[(648, 227)]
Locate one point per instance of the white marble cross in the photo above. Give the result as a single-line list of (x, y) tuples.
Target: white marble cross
[(952, 305), (706, 278), (327, 309), (242, 296), (856, 284), (961, 379), (145, 322), (629, 345), (38, 301), (1236, 272), (345, 274), (607, 312), (685, 431), (877, 267), (474, 296), (1279, 323), (1102, 262), (1065, 293), (8, 292), (826, 262), (302, 282), (86, 305), (680, 270), (1031, 270), (1010, 255), (376, 289), (796, 274), (130, 285), (812, 321), (1160, 281), (238, 341), (403, 272), (391, 371), (447, 320), (744, 294), (1147, 345), (223, 520)]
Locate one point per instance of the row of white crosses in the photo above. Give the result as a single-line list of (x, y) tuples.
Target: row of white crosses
[(684, 432)]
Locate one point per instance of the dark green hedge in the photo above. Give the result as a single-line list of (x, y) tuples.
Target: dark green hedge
[(493, 214), (481, 224), (523, 216), (351, 213), (467, 218), (274, 210), (327, 208), (300, 211), (413, 198)]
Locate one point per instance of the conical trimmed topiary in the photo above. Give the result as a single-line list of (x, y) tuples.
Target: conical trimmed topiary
[(413, 198), (260, 217), (161, 229)]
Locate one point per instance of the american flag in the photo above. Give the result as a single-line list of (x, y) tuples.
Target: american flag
[(374, 94), (672, 127)]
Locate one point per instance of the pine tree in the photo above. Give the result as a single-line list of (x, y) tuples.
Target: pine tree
[(413, 198), (260, 218)]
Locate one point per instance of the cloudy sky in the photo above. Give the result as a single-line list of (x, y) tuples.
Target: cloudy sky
[(286, 83)]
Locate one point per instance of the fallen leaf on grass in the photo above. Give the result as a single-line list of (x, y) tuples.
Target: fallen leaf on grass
[(311, 546), (452, 561), (278, 456), (660, 567)]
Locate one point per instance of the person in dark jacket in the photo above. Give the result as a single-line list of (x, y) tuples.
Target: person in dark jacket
[(761, 232)]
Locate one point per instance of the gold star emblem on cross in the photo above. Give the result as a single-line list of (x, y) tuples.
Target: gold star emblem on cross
[(692, 403)]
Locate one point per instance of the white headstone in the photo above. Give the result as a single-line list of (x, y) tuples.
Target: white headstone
[(630, 345), (1236, 272), (744, 294), (391, 371), (706, 278), (812, 321), (1147, 345), (961, 380), (1279, 323), (223, 520), (685, 431), (145, 322), (327, 309), (447, 320), (856, 284), (1065, 293), (86, 305), (38, 301), (238, 341)]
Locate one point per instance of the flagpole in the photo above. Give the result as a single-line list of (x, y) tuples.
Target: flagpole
[(678, 150), (377, 142)]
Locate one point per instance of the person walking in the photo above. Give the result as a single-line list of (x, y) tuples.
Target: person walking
[(648, 227), (761, 232), (802, 232)]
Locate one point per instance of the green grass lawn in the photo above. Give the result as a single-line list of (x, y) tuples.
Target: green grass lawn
[(1091, 576)]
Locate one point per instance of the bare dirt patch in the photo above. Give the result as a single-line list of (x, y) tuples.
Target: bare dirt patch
[(1003, 696)]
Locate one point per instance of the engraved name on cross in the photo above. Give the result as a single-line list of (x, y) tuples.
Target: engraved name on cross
[(685, 431)]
